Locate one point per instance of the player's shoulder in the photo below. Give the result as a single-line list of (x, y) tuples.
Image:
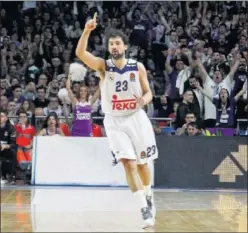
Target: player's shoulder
[(140, 66), (109, 63)]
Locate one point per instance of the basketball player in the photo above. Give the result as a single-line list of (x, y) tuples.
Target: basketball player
[(124, 91)]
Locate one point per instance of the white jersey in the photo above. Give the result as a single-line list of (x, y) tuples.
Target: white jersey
[(120, 88)]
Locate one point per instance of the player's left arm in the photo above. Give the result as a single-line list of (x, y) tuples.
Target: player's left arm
[(147, 93)]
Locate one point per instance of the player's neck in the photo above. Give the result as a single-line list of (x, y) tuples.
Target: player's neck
[(120, 63)]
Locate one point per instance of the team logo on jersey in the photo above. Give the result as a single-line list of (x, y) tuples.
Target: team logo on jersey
[(132, 77), (143, 155), (111, 74), (124, 104)]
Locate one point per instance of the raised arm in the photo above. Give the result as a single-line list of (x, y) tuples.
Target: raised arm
[(95, 63), (168, 67), (70, 93), (241, 92), (66, 113), (204, 92), (235, 66), (202, 69)]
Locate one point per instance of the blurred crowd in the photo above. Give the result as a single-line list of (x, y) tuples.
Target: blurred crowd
[(181, 44), (195, 54)]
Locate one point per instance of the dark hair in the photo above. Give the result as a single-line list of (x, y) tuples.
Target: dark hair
[(51, 114), (117, 33), (187, 90), (222, 25), (192, 76), (183, 46), (184, 36), (190, 112), (31, 106), (219, 105), (193, 124), (41, 88), (22, 111), (16, 86), (3, 111)]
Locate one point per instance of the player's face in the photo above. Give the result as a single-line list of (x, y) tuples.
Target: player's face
[(117, 48)]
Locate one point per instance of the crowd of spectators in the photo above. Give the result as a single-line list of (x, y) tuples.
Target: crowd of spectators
[(195, 54), (191, 50)]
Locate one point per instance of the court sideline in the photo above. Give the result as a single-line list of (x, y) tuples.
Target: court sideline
[(78, 209)]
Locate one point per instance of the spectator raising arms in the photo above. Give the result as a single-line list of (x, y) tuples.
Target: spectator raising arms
[(213, 87), (179, 43), (225, 105), (81, 125)]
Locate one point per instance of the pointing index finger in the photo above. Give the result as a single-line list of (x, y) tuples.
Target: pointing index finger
[(94, 17)]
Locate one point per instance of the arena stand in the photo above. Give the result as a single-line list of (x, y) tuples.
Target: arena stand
[(174, 40)]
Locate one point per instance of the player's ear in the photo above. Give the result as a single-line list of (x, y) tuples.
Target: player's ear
[(125, 47)]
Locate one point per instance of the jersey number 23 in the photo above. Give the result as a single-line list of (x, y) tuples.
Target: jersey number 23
[(121, 86)]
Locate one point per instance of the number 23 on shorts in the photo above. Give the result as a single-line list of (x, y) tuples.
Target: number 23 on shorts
[(150, 151)]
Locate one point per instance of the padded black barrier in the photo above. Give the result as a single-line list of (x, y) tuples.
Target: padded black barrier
[(201, 162)]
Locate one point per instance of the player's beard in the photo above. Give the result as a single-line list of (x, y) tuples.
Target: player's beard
[(118, 56)]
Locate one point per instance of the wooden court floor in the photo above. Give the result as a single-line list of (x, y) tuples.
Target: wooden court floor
[(76, 209)]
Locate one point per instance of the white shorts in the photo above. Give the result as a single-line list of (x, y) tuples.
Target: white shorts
[(131, 137)]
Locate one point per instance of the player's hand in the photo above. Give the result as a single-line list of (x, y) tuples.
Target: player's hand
[(91, 24), (140, 101)]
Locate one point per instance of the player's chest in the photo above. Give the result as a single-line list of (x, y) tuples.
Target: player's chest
[(122, 82)]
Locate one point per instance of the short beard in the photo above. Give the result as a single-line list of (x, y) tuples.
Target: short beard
[(118, 56)]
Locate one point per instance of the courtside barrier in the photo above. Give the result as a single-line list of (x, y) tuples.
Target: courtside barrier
[(201, 162), (75, 161)]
